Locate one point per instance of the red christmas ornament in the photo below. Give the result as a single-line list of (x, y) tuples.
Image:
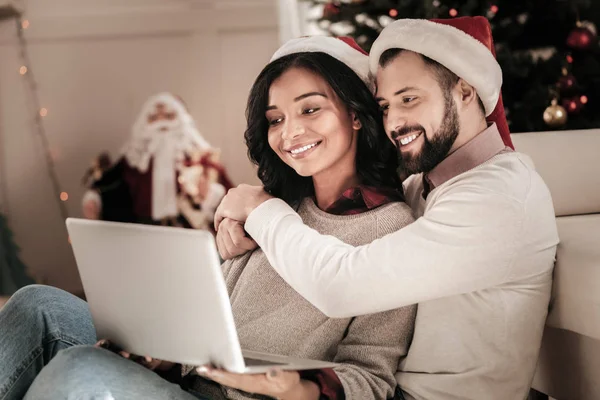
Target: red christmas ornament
[(330, 10), (573, 105), (566, 82), (581, 38)]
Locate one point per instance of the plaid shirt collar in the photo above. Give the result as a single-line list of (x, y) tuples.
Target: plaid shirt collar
[(363, 198)]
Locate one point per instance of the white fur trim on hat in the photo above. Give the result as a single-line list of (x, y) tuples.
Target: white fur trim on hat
[(336, 48), (456, 50)]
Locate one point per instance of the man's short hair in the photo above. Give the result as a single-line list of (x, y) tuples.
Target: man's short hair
[(446, 78)]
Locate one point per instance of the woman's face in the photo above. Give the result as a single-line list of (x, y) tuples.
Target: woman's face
[(309, 128)]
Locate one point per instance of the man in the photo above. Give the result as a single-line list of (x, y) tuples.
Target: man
[(479, 258), (143, 186)]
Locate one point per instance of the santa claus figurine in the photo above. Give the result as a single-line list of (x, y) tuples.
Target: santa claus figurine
[(167, 174)]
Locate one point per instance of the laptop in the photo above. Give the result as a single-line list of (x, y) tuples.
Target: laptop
[(159, 291)]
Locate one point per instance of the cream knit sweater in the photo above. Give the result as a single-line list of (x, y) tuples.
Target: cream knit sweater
[(478, 261), (272, 317)]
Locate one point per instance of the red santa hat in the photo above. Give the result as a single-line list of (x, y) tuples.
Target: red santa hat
[(344, 49), (463, 45)]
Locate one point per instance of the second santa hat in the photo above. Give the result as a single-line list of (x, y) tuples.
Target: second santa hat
[(458, 51), (463, 45)]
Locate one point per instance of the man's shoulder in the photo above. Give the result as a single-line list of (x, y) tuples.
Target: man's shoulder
[(509, 174)]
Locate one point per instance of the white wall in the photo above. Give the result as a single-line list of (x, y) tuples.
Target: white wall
[(96, 61)]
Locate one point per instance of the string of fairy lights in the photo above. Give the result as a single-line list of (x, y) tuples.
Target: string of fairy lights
[(40, 112)]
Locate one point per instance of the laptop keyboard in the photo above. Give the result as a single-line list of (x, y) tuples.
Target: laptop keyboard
[(253, 362)]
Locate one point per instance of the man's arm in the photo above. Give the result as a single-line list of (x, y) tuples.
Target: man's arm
[(465, 242)]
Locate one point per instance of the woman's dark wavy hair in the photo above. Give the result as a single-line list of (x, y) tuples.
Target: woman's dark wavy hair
[(376, 156)]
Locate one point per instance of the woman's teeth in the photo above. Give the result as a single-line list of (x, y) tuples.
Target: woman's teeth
[(408, 139), (303, 149)]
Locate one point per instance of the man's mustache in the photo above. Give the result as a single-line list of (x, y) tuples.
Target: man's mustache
[(405, 130)]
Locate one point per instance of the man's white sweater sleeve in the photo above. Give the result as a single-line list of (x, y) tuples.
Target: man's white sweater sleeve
[(466, 241)]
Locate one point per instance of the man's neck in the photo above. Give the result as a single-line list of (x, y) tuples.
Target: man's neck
[(467, 132)]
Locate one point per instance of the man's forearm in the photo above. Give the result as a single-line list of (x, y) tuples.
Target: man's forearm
[(424, 261)]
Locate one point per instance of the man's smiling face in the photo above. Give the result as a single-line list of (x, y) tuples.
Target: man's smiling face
[(420, 116)]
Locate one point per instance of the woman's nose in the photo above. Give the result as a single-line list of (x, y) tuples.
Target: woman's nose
[(292, 130)]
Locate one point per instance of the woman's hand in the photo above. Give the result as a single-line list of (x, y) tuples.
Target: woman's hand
[(152, 364), (232, 240), (239, 202), (285, 385)]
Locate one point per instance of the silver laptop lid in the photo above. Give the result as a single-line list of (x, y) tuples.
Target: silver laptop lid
[(157, 291)]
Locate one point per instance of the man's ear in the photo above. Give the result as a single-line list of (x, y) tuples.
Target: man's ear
[(356, 125), (467, 93)]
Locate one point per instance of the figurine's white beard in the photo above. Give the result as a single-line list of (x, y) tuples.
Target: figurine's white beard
[(164, 176), (144, 144), (167, 150)]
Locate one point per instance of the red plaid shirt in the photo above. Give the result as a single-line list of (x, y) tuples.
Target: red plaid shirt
[(353, 201)]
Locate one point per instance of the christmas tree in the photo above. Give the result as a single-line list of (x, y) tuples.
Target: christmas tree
[(548, 50), (12, 271)]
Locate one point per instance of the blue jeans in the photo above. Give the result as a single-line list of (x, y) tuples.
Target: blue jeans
[(46, 352)]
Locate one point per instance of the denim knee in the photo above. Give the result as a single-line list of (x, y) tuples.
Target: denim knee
[(48, 309), (75, 373), (77, 358), (38, 295), (77, 363)]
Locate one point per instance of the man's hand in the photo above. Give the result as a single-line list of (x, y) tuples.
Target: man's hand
[(239, 202), (232, 240), (152, 364), (285, 385)]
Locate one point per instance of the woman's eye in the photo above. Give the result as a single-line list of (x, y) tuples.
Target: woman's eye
[(275, 121), (310, 110), (384, 108), (409, 99)]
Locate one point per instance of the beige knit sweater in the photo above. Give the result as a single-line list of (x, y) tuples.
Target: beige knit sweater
[(271, 317)]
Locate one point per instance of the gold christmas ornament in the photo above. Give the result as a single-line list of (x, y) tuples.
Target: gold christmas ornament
[(555, 115)]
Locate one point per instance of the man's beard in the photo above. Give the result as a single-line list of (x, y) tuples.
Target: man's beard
[(435, 150)]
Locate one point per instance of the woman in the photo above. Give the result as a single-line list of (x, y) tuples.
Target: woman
[(314, 130)]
